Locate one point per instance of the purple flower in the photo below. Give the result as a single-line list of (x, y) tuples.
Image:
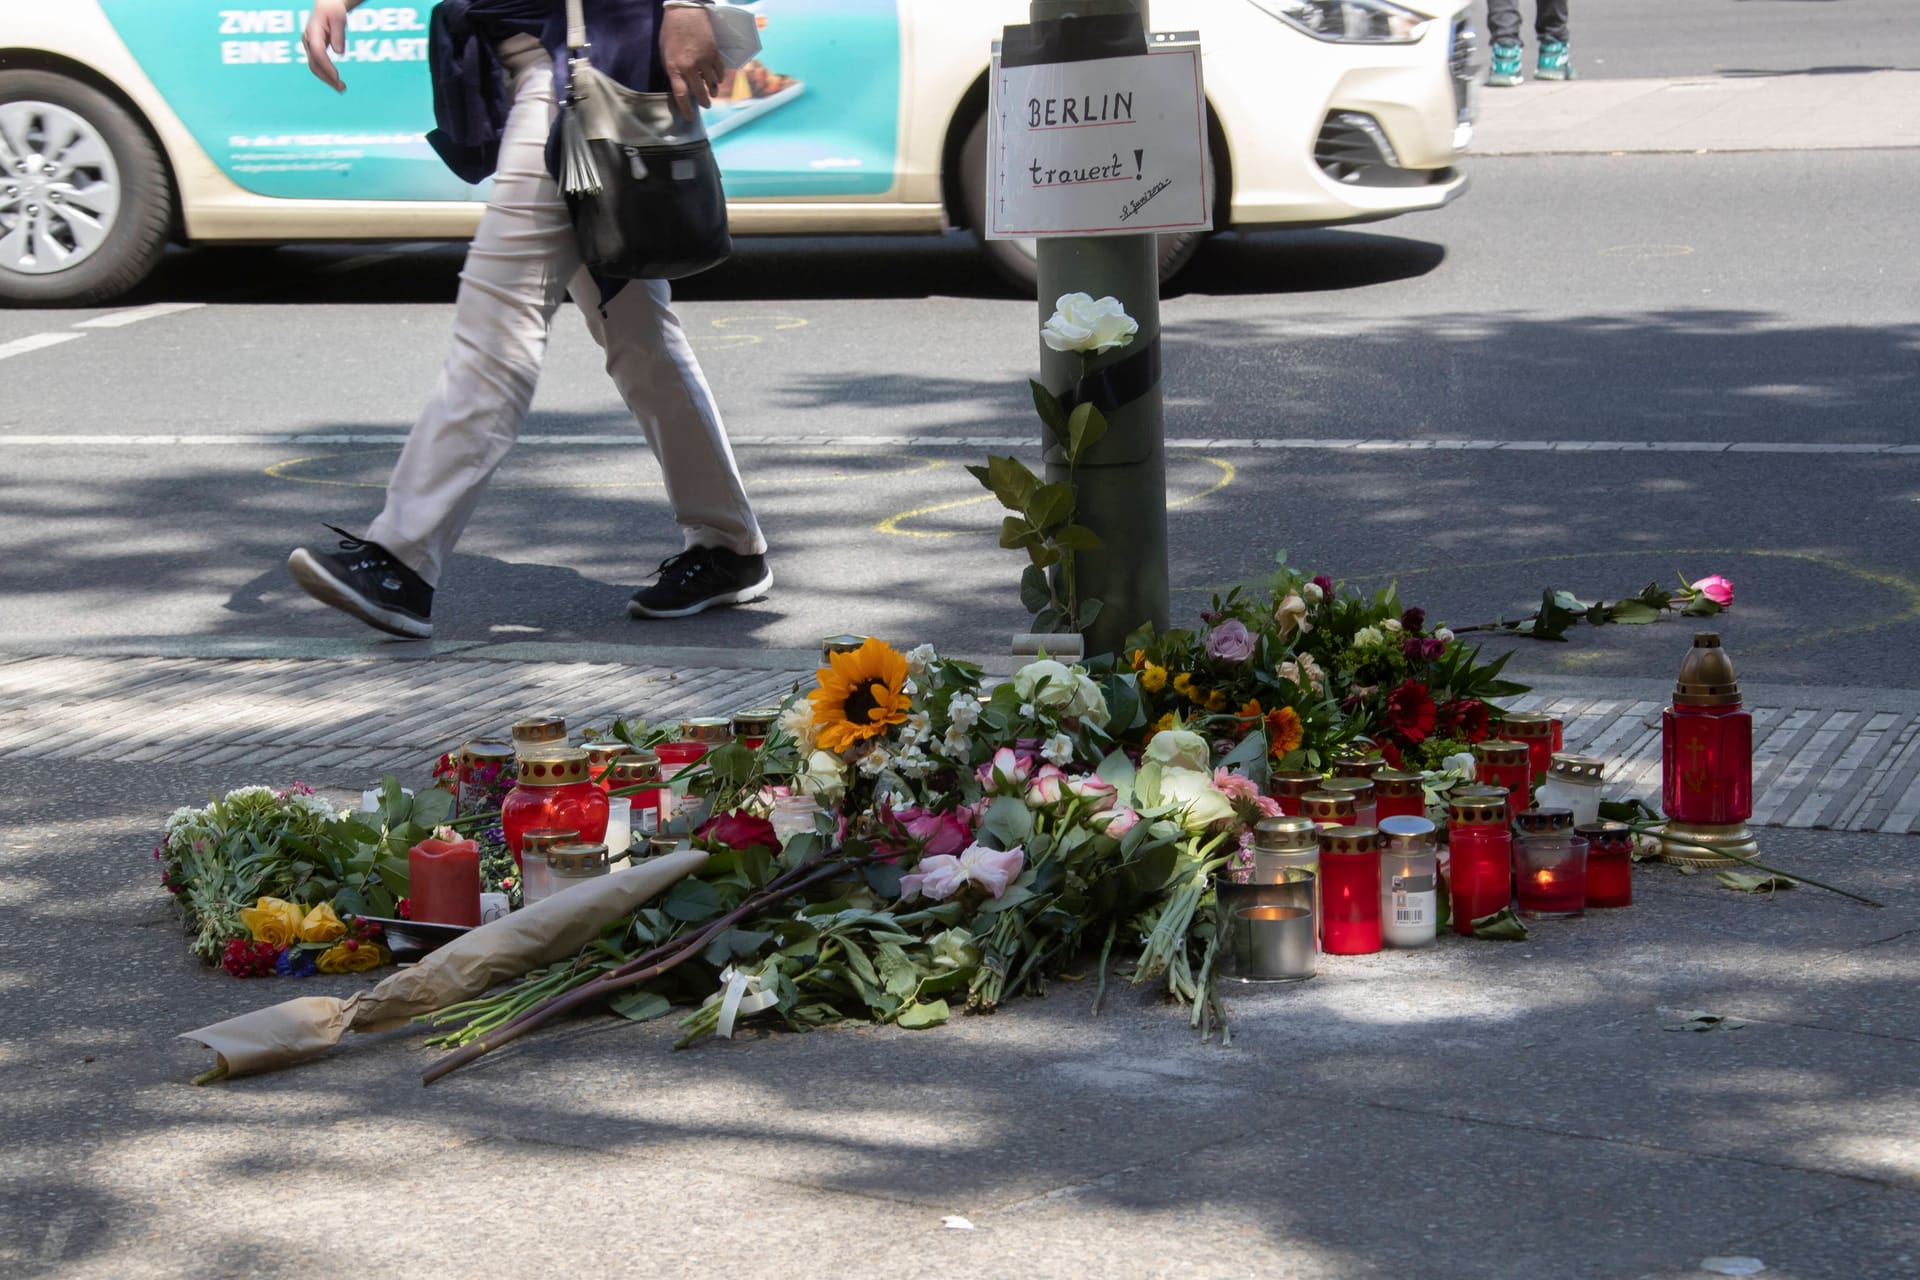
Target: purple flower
[(1323, 582), (1414, 619), (1230, 641)]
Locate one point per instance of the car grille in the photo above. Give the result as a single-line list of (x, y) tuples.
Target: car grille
[(1353, 149), (1463, 60)]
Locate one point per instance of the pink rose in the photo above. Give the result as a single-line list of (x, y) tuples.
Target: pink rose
[(939, 833), (1005, 774), (939, 877), (993, 869), (1717, 589), (1117, 822), (1047, 787), (1230, 641), (1094, 789)]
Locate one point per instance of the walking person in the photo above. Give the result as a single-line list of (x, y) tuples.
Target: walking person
[(494, 80), (1549, 27)]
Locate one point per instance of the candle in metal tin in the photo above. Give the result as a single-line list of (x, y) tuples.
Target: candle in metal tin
[(1398, 794), (839, 644), (1573, 782), (478, 769), (1500, 763), (539, 731), (533, 860), (653, 803), (751, 727), (1328, 808), (1362, 791), (1289, 785), (1534, 729), (1285, 850), (572, 864)]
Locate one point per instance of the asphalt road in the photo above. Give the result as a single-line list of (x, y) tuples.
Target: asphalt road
[(1624, 309)]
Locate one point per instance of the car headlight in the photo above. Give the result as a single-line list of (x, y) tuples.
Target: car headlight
[(1349, 21)]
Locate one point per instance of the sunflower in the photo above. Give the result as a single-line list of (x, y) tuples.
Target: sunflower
[(859, 695), (1284, 730)]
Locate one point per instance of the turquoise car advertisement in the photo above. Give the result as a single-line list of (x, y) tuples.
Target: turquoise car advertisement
[(816, 114)]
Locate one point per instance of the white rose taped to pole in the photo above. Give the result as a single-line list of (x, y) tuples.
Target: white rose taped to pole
[(545, 933)]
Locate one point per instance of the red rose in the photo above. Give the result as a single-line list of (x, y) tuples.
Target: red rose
[(738, 830), (1410, 713), (1466, 719)]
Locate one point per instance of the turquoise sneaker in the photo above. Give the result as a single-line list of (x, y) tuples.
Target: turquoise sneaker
[(1504, 72), (1555, 64)]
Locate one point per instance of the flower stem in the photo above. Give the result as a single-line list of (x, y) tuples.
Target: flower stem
[(1100, 991), (1755, 863)]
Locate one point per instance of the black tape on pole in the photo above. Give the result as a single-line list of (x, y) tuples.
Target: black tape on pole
[(1106, 35), (1118, 384)]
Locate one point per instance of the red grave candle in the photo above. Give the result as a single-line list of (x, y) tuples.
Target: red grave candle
[(1327, 808), (443, 881), (1706, 737), (1350, 891), (1507, 765), (1480, 869), (554, 790), (1288, 786), (1536, 731), (653, 803), (751, 727), (479, 765), (1398, 794), (1551, 862), (600, 758), (1609, 863)]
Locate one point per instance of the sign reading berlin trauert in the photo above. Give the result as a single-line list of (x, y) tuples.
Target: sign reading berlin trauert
[(1098, 147)]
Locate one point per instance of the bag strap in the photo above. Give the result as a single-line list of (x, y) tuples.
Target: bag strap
[(576, 30)]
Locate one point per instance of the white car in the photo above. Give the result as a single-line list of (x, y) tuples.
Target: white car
[(126, 124)]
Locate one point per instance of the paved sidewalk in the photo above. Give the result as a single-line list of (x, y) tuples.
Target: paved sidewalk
[(1786, 112)]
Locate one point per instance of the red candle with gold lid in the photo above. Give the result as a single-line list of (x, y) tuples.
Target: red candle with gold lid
[(1350, 891), (554, 790), (1398, 794), (1289, 785), (1507, 765)]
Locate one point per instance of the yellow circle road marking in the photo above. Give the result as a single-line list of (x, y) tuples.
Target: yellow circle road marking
[(1647, 251), (777, 322), (1228, 473)]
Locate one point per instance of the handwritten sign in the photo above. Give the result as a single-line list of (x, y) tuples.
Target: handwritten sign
[(1098, 147)]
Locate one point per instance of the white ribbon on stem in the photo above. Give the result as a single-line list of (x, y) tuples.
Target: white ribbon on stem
[(741, 994)]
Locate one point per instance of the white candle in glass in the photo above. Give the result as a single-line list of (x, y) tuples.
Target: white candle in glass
[(619, 826)]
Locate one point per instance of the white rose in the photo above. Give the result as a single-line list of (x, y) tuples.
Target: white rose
[(825, 778), (1179, 749), (1312, 593), (1290, 615), (1368, 638), (1193, 794), (1444, 635), (1081, 323), (1391, 624), (1461, 762), (1059, 749)]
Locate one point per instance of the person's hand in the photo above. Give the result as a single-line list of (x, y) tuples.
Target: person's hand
[(326, 35), (690, 56)]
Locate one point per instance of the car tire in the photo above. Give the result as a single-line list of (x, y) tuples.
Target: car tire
[(141, 215), (1013, 260)]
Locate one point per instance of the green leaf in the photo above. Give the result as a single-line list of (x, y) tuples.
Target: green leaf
[(1048, 621), (1012, 482), (1008, 820), (692, 901), (1753, 881), (1048, 406), (981, 474), (735, 944), (1044, 555), (732, 763), (640, 1006), (1632, 613), (1089, 610), (431, 808), (1035, 595), (1051, 504), (1701, 1020), (1123, 709), (1700, 607), (1502, 924), (1077, 537), (929, 1013), (1016, 533), (1118, 770), (1085, 428)]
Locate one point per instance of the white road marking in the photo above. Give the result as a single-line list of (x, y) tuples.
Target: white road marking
[(1211, 445), (134, 315), (34, 342)]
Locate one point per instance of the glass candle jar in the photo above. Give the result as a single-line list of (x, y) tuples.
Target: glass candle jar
[(533, 860), (1534, 729), (1286, 850), (538, 731), (697, 737), (653, 803), (1551, 862), (793, 816), (477, 768), (1706, 737), (1328, 808), (751, 727), (553, 791), (1362, 791), (1398, 794), (1409, 881), (619, 836), (1289, 785), (572, 864), (1479, 856), (839, 644), (1508, 765), (1350, 891), (600, 758), (1573, 782), (1609, 863)]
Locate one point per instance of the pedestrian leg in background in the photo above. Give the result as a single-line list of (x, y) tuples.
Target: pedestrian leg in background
[(1503, 29), (515, 275), (651, 362), (1550, 25)]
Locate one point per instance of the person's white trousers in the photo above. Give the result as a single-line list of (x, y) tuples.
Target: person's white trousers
[(523, 260)]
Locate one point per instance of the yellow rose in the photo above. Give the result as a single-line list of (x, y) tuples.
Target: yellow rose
[(1153, 678), (274, 921), (321, 925), (352, 957)]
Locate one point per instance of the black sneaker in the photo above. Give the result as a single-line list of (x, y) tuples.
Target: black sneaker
[(701, 578), (362, 579)]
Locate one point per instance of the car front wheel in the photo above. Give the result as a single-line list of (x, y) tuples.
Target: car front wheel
[(1014, 260), (85, 201)]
